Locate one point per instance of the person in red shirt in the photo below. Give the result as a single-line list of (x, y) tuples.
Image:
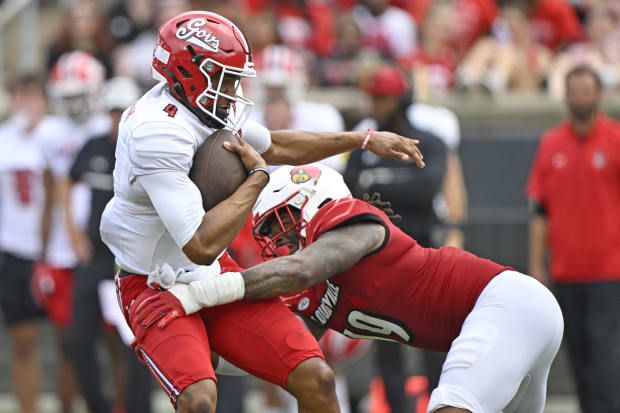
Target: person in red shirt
[(574, 187), (344, 265), (555, 23)]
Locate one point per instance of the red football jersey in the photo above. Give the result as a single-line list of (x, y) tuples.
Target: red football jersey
[(402, 292)]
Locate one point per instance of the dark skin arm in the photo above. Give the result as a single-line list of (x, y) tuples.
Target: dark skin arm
[(332, 253), (292, 147), (221, 224)]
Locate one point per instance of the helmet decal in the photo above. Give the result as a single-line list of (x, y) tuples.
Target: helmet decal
[(305, 173), (201, 38)]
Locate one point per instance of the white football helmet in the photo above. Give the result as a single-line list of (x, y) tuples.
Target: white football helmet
[(305, 188), (280, 67), (75, 84)]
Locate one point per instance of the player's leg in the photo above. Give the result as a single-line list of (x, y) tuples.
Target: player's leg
[(83, 332), (25, 366), (178, 356), (21, 313), (602, 331), (511, 335), (59, 309), (265, 339)]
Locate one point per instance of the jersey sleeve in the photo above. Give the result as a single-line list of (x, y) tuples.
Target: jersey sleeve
[(161, 147), (342, 212), (256, 135)]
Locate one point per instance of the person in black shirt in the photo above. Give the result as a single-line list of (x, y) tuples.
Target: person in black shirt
[(94, 166), (413, 194)]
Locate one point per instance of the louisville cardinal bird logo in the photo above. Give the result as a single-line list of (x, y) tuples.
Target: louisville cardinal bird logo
[(304, 173)]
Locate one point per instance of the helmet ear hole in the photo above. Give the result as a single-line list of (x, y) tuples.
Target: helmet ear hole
[(186, 74), (325, 201)]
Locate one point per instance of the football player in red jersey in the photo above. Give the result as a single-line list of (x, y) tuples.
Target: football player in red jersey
[(344, 265)]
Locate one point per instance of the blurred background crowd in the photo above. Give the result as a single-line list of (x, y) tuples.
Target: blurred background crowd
[(478, 81)]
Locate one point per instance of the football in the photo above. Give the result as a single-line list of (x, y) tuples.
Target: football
[(216, 171)]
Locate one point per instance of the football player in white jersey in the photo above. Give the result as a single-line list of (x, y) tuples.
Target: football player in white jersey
[(156, 222), (25, 209), (73, 87)]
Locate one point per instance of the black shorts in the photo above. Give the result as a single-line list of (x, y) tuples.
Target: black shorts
[(16, 299)]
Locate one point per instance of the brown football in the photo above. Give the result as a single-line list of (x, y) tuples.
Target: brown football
[(216, 171)]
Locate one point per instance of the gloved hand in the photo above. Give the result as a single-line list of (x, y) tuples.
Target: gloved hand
[(161, 309)]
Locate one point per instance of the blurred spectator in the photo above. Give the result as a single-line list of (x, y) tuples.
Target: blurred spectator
[(84, 28), (262, 32), (301, 24), (433, 63), (74, 87), (390, 30), (134, 59), (511, 60), (94, 165), (601, 50), (413, 193), (128, 18), (350, 59), (25, 208), (475, 19), (280, 91), (554, 22), (574, 187)]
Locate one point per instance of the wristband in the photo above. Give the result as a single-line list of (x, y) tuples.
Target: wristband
[(367, 138), (261, 169)]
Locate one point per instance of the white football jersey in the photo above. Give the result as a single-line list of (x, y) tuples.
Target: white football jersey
[(22, 192), (61, 145), (157, 134)]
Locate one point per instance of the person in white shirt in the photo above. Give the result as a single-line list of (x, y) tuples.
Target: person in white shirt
[(156, 222), (25, 209), (280, 96)]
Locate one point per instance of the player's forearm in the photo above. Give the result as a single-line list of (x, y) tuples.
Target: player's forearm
[(221, 224), (46, 217), (293, 147), (285, 275), (537, 243)]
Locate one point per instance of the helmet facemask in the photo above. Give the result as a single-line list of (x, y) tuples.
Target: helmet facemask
[(239, 108), (288, 218)]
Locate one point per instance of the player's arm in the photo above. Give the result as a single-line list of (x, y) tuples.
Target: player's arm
[(332, 253), (46, 217), (538, 242), (203, 236), (453, 187), (291, 147), (79, 240)]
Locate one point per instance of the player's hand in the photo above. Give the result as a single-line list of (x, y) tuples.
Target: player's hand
[(250, 158), (391, 145), (82, 246), (160, 309)]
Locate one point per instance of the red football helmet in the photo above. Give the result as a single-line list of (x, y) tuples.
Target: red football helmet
[(193, 51)]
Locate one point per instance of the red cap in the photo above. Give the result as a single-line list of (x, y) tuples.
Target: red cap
[(387, 81)]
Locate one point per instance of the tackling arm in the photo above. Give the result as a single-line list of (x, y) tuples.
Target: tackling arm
[(293, 147), (333, 252)]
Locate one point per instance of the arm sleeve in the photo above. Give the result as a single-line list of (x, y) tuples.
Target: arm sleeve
[(177, 202), (256, 135)]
